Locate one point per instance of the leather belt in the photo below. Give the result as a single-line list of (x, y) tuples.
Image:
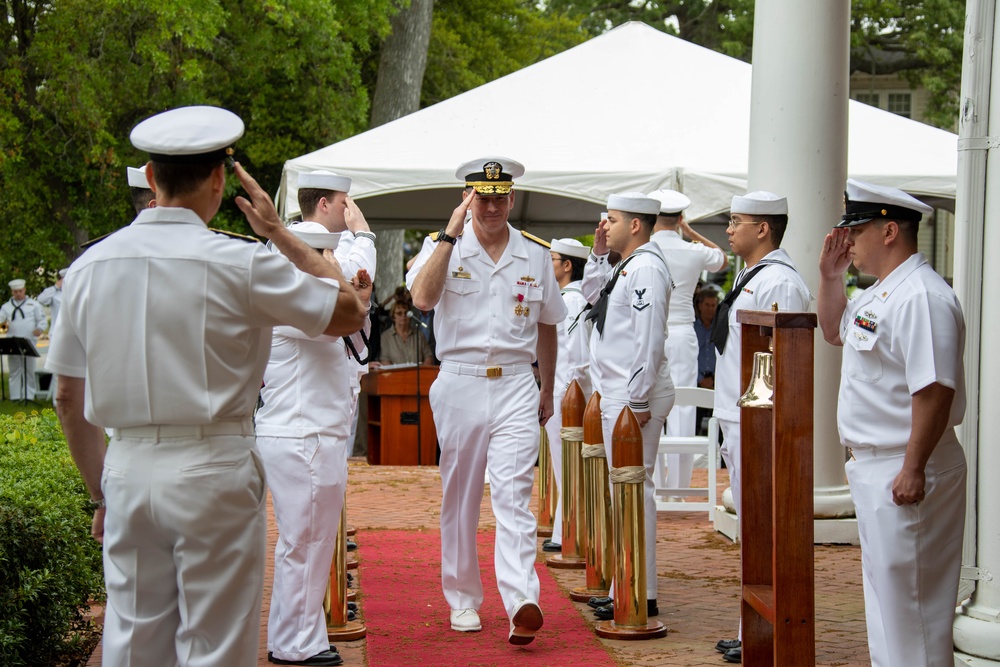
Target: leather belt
[(196, 431), (484, 371)]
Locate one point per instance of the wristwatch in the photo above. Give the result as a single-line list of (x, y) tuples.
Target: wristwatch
[(96, 504), (441, 236)]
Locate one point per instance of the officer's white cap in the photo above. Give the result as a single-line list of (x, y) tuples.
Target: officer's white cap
[(671, 201), (188, 135), (315, 235), (324, 180), (17, 283), (137, 177), (490, 175), (864, 202), (633, 202), (570, 247), (759, 202)]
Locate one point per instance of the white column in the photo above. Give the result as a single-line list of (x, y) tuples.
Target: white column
[(798, 148), (977, 626)]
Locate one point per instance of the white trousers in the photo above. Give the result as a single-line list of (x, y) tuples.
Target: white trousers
[(553, 428), (730, 450), (659, 407), (682, 355), (911, 556), (22, 380), (308, 478), (184, 540), (487, 425)]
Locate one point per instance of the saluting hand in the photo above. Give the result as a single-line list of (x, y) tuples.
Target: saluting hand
[(600, 240), (259, 210), (457, 220), (836, 254), (354, 218)]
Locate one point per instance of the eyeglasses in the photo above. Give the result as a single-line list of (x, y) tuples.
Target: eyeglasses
[(733, 222)]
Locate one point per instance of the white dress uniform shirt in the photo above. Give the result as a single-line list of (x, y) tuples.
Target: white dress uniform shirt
[(23, 318), (631, 369), (487, 317), (901, 335), (302, 433), (573, 363), (51, 296), (686, 262), (184, 503), (775, 283)]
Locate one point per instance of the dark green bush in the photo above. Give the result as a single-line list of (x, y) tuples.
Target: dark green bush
[(50, 567)]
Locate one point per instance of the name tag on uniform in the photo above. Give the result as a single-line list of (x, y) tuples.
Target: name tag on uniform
[(461, 273)]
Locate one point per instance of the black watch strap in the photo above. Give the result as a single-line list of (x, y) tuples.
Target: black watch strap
[(442, 237)]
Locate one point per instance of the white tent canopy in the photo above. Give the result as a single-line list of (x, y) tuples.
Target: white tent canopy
[(633, 109)]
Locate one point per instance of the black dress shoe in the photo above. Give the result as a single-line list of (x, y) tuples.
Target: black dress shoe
[(599, 602), (551, 546), (724, 645), (324, 659), (352, 606), (352, 545), (607, 612), (351, 615), (547, 540), (734, 655)]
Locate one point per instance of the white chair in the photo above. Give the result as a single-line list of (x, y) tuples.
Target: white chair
[(698, 444)]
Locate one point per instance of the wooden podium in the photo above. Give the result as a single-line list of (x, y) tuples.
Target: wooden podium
[(776, 528), (400, 429)]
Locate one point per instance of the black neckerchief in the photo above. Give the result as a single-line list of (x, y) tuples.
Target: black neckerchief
[(720, 325)]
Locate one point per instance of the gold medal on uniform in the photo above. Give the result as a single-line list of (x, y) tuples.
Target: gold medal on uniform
[(519, 310)]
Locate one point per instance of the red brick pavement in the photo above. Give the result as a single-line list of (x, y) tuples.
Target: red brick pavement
[(697, 586)]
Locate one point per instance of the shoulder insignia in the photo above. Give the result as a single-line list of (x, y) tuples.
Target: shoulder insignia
[(234, 235), (92, 242), (532, 237)]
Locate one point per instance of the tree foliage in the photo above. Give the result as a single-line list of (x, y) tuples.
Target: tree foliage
[(921, 40), (77, 75)]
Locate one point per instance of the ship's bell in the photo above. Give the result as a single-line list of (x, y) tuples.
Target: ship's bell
[(761, 389)]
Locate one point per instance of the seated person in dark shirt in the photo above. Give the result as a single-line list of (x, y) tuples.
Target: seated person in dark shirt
[(706, 301), (403, 344)]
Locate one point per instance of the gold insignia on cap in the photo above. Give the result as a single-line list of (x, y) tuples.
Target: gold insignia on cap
[(492, 171), (885, 212)]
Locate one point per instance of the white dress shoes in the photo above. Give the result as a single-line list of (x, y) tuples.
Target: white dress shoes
[(465, 620), (524, 623)]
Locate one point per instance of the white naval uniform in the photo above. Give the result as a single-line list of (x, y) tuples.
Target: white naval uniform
[(573, 363), (686, 262), (355, 252), (24, 317), (901, 335), (302, 432), (185, 528), (776, 283), (596, 273), (629, 363), (487, 316), (51, 296)]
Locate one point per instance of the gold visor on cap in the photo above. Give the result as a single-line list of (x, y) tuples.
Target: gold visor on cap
[(491, 187)]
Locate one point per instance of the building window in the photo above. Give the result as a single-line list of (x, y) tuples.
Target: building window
[(868, 98), (899, 104)]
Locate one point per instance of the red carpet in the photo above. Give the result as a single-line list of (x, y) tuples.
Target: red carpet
[(407, 617)]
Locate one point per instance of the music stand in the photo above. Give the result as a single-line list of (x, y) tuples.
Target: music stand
[(19, 347)]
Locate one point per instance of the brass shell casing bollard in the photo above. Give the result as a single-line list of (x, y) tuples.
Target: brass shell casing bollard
[(548, 495), (628, 474), (572, 487), (597, 506), (335, 603)]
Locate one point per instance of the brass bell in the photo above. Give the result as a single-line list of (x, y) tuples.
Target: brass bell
[(761, 388)]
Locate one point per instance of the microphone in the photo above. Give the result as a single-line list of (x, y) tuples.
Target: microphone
[(413, 317)]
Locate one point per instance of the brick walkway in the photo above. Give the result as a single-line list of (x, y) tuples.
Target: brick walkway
[(697, 586)]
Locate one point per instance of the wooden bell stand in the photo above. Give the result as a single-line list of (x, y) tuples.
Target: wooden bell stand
[(778, 600)]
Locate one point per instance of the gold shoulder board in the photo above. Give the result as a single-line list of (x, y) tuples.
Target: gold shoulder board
[(434, 236), (234, 235), (91, 242), (532, 237)]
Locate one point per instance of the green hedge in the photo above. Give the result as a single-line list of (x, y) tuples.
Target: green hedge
[(50, 567)]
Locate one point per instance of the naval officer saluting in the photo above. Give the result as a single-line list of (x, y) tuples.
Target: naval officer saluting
[(496, 305), (180, 507)]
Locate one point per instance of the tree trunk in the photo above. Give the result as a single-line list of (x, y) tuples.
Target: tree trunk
[(397, 93)]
